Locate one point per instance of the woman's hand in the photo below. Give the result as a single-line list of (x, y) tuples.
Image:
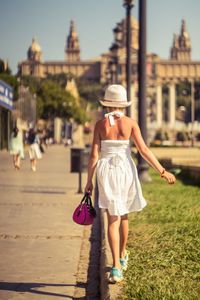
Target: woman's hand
[(89, 187), (169, 177)]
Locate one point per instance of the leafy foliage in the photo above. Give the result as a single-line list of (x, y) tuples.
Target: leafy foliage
[(90, 91), (53, 100), (61, 79)]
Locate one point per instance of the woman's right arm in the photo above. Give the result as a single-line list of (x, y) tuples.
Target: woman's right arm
[(148, 155), (94, 156)]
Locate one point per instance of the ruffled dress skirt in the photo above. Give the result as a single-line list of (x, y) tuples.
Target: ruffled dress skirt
[(118, 183), (16, 145)]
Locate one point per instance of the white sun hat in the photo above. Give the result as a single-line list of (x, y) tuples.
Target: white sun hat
[(115, 96)]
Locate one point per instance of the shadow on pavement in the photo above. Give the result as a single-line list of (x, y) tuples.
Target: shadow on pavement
[(31, 287), (42, 192)]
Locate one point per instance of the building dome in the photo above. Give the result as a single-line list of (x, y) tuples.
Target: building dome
[(35, 47), (34, 51)]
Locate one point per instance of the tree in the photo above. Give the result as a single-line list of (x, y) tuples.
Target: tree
[(90, 91), (181, 136), (53, 100), (60, 79)]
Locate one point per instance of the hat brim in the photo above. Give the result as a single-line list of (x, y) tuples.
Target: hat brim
[(115, 104)]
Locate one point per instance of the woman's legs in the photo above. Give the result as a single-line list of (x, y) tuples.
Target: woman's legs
[(18, 161), (14, 160), (33, 164), (117, 236), (114, 238), (123, 234)]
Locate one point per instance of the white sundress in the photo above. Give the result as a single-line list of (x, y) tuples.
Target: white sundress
[(118, 183), (16, 145)]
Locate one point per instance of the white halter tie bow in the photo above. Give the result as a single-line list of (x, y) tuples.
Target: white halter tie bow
[(111, 115)]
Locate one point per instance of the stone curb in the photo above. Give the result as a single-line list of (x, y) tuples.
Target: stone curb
[(108, 291), (105, 295)]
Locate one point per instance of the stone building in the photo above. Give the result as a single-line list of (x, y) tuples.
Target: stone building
[(161, 73), (35, 66), (111, 67)]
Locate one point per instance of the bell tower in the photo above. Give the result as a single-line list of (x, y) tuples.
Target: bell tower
[(72, 50), (181, 47)]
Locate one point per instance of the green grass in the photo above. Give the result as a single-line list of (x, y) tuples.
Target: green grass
[(164, 242)]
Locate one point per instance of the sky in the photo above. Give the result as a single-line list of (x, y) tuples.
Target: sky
[(49, 21)]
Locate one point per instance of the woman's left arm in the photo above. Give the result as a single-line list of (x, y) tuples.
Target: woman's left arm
[(147, 154), (94, 156)]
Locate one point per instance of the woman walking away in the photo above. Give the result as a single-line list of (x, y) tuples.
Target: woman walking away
[(34, 150), (119, 187), (16, 147)]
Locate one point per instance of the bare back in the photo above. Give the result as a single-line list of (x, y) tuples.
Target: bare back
[(120, 131), (124, 128)]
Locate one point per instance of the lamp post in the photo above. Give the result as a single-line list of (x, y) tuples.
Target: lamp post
[(128, 4), (112, 72), (114, 54), (142, 106)]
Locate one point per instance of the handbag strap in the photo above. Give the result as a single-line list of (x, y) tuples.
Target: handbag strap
[(83, 199), (87, 199)]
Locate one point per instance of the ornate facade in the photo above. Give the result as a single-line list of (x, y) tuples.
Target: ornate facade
[(111, 67), (35, 66), (170, 73)]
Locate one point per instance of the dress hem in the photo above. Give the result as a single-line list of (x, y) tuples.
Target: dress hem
[(126, 212)]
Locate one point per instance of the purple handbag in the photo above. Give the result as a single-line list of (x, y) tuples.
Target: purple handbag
[(85, 213)]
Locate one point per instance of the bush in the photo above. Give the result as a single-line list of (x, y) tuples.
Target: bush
[(181, 136)]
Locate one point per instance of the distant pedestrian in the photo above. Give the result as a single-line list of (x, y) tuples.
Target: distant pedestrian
[(68, 133), (34, 149), (119, 187), (16, 147), (41, 135), (49, 137)]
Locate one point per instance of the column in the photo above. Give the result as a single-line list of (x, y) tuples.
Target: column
[(134, 104), (172, 105), (57, 130), (159, 105)]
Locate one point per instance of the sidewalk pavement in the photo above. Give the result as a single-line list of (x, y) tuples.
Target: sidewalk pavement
[(40, 244)]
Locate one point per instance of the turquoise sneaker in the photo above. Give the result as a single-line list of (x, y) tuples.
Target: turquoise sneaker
[(124, 261), (115, 275)]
